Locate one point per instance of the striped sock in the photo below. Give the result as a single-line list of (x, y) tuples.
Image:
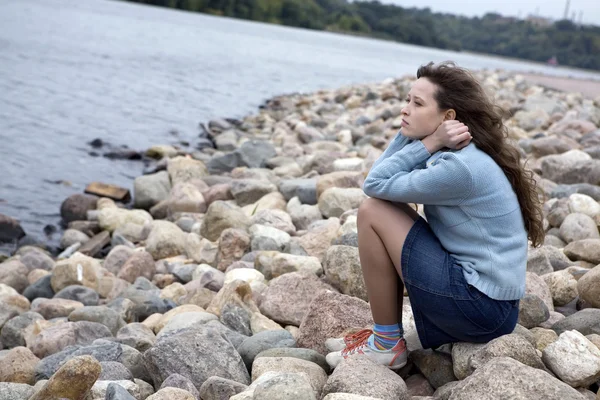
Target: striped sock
[(385, 337)]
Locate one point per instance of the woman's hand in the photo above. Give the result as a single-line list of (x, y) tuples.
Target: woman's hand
[(452, 134)]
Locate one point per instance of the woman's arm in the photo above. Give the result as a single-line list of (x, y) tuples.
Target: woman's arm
[(395, 145), (447, 182)]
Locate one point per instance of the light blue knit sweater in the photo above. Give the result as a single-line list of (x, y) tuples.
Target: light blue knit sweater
[(469, 204)]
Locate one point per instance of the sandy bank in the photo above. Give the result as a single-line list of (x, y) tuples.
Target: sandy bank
[(589, 88)]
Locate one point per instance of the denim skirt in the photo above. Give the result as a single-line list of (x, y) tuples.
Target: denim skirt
[(446, 308)]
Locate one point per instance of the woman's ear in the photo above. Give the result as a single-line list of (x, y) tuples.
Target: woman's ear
[(450, 115)]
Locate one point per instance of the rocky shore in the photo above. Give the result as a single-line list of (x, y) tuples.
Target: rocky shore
[(233, 264)]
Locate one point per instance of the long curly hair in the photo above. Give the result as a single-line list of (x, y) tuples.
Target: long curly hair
[(458, 89)]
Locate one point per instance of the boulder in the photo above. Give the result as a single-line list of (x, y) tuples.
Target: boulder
[(76, 206), (213, 355), (342, 268), (574, 359), (331, 315), (492, 380), (151, 189), (73, 380), (375, 380)]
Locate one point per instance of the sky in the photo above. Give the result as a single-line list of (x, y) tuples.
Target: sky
[(517, 8)]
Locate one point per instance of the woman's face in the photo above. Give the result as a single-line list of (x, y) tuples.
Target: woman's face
[(421, 116)]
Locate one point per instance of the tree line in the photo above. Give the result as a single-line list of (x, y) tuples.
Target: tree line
[(571, 44)]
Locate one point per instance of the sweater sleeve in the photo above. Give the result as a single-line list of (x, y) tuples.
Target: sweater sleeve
[(447, 182), (395, 145)]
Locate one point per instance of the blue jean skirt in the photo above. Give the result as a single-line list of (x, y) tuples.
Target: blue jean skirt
[(446, 308)]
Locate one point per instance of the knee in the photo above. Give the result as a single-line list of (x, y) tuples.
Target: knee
[(368, 210)]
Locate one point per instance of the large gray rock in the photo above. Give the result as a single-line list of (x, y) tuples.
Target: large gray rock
[(265, 238), (37, 259), (213, 355), (273, 264), (75, 207), (506, 378), (571, 167), (276, 219), (117, 257), (184, 197), (435, 366), (248, 191), (224, 162), (114, 371), (18, 365), (101, 314), (15, 391), (54, 308), (330, 315), (181, 382), (82, 294), (545, 103), (285, 386), (585, 250), (342, 268), (535, 285), (556, 256), (146, 299), (217, 388), (303, 215), (287, 298), (186, 320), (165, 240), (588, 287), (574, 359), (578, 226), (40, 288), (265, 340), (220, 216), (140, 263), (57, 337), (585, 321), (184, 169), (254, 153), (532, 311), (538, 262), (314, 374), (14, 331), (14, 274), (303, 354), (461, 354), (72, 236), (117, 392), (136, 335), (563, 287), (514, 346), (304, 189), (150, 190), (72, 381), (562, 191), (103, 351), (361, 376), (334, 201), (100, 390)]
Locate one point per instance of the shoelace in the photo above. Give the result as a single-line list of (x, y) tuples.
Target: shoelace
[(356, 340), (358, 336)]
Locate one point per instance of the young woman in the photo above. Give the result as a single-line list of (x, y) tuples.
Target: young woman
[(463, 268)]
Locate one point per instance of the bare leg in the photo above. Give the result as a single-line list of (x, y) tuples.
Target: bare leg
[(382, 228)]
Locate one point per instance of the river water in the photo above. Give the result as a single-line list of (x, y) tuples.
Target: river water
[(72, 71)]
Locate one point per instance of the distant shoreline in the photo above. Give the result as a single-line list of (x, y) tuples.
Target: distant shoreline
[(588, 87)]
